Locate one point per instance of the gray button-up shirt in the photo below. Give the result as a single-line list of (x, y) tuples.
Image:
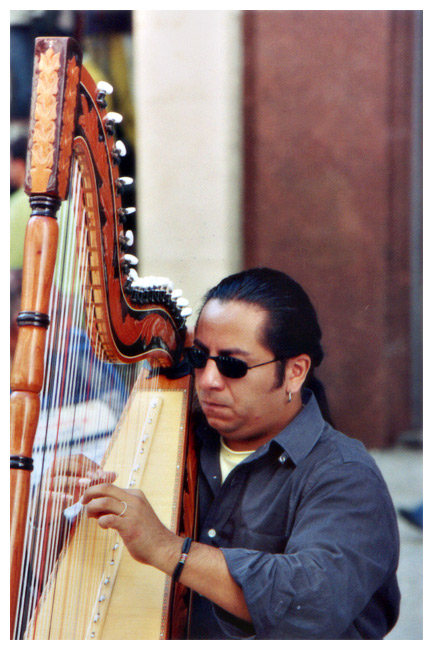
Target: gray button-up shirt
[(309, 532)]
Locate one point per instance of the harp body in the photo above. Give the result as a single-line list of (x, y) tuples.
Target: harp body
[(126, 323)]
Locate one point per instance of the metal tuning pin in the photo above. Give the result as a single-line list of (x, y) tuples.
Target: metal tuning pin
[(149, 281), (104, 89), (130, 259), (110, 121), (129, 237), (153, 283), (118, 152), (126, 261), (165, 284), (121, 182), (155, 290), (123, 214), (133, 275), (126, 240), (138, 283)]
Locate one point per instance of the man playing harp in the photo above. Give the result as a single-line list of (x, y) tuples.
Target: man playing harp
[(297, 532)]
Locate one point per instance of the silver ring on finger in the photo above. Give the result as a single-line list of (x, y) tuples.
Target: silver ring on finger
[(125, 505)]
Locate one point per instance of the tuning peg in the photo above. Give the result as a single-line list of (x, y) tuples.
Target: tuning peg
[(113, 117), (126, 240), (123, 213), (129, 237), (158, 283), (147, 281), (110, 120), (130, 259), (126, 261), (121, 182), (165, 284), (104, 88), (137, 282), (120, 148), (152, 289), (144, 283), (118, 152)]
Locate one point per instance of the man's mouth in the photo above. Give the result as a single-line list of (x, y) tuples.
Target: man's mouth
[(210, 406)]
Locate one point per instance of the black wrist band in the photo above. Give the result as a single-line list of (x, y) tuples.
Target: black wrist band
[(185, 550)]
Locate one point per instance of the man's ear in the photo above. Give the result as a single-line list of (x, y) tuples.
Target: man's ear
[(296, 372)]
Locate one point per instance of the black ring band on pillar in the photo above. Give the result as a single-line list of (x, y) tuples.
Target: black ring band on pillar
[(22, 462), (44, 206), (35, 318)]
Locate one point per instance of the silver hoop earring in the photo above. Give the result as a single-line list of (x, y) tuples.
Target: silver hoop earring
[(290, 396)]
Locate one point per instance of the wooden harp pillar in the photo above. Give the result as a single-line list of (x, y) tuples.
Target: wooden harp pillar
[(71, 137)]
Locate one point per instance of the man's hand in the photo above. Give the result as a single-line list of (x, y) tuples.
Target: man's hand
[(73, 474), (150, 542), (64, 483), (130, 513)]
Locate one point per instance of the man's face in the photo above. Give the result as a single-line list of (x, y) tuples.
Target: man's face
[(248, 411)]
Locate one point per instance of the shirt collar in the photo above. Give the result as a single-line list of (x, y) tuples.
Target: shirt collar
[(301, 434), (297, 439)]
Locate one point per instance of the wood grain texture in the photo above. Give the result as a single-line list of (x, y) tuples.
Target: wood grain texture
[(136, 602)]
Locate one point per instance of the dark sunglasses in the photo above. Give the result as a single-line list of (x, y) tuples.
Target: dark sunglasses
[(228, 366)]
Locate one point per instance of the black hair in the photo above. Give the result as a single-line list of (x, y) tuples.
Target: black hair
[(292, 327)]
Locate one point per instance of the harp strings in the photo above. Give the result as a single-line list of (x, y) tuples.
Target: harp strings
[(82, 398)]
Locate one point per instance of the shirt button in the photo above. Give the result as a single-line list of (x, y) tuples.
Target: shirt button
[(211, 532), (282, 458)]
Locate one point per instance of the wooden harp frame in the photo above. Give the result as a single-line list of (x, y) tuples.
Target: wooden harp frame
[(129, 323)]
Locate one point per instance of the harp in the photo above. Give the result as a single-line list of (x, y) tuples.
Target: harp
[(95, 376)]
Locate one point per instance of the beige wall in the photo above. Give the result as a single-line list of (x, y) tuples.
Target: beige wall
[(187, 77)]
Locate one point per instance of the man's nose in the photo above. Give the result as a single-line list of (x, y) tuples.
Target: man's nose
[(209, 376)]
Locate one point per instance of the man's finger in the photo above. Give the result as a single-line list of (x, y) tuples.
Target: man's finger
[(109, 521), (69, 484), (105, 505), (103, 490), (101, 476), (76, 465)]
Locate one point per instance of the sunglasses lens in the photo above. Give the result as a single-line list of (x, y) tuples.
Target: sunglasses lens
[(231, 367), (197, 358), (227, 366)]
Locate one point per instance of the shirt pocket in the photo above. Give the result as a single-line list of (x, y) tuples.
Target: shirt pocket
[(245, 537)]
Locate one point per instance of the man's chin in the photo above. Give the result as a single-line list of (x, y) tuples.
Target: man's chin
[(220, 424)]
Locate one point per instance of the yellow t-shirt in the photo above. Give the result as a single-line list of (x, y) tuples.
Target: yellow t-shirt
[(229, 459)]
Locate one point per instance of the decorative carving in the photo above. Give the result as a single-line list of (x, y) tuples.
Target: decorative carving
[(90, 121), (68, 126), (45, 120)]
